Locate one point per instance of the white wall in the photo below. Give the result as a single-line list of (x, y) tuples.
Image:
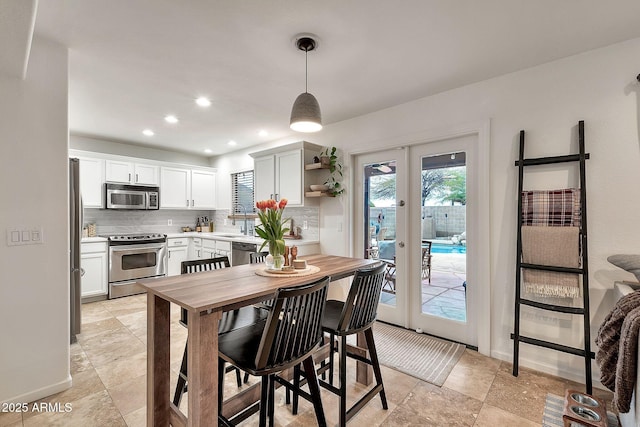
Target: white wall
[(547, 101), (120, 148), (34, 279)]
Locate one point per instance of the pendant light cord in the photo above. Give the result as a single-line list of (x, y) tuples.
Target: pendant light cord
[(306, 54)]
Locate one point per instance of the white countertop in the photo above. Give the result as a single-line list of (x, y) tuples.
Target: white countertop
[(231, 237), (93, 239)]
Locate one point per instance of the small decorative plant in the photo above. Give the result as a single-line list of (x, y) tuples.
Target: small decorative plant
[(329, 157)]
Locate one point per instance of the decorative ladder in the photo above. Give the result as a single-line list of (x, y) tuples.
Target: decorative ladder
[(583, 270)]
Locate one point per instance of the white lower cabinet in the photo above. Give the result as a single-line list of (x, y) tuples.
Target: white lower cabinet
[(208, 248), (94, 262), (195, 248), (178, 251)]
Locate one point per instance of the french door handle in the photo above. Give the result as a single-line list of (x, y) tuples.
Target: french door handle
[(401, 203), (401, 244)]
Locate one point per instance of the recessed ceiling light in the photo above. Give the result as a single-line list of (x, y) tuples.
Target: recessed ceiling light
[(263, 133), (232, 143), (148, 132), (203, 102), (171, 119), (208, 150)]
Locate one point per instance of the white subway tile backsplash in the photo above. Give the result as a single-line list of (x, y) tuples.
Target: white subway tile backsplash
[(124, 222)]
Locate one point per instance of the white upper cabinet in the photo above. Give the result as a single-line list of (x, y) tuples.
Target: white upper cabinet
[(175, 188), (264, 173), (92, 182), (145, 174), (123, 172), (279, 172), (187, 189), (289, 180), (203, 189), (279, 176)]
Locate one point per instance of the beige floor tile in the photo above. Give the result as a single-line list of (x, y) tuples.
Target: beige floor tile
[(137, 418), (473, 375), (428, 405), (112, 345), (10, 419), (130, 395), (490, 416), (95, 410), (523, 395), (94, 312), (80, 362), (90, 330), (135, 322), (84, 384), (123, 370)]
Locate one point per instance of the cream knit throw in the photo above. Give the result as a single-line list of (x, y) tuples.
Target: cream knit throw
[(553, 246)]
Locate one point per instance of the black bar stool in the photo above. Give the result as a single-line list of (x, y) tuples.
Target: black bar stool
[(289, 336), (341, 319), (230, 320)]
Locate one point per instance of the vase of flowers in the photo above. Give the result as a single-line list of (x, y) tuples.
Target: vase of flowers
[(272, 229)]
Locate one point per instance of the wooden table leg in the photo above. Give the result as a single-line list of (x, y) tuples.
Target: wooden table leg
[(364, 372), (158, 360), (202, 372)]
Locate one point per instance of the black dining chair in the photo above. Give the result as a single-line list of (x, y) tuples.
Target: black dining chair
[(230, 320), (343, 318), (257, 257), (289, 336)]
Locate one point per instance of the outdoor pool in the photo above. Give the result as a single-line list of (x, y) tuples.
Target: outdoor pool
[(439, 248)]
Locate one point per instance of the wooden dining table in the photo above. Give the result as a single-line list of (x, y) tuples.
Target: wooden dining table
[(206, 296)]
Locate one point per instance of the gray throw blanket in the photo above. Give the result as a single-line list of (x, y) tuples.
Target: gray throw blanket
[(617, 342)]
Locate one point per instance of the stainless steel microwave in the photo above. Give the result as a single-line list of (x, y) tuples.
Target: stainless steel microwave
[(139, 197)]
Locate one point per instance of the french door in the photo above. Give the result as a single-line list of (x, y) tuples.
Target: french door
[(381, 182), (419, 207)]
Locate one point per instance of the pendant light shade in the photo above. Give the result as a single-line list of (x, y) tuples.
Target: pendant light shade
[(305, 113)]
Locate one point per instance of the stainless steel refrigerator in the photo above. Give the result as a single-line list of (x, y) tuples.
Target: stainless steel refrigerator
[(75, 234)]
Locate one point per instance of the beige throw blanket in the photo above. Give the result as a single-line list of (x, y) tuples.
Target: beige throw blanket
[(553, 246)]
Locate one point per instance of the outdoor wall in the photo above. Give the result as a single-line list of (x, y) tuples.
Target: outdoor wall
[(547, 101), (34, 279)]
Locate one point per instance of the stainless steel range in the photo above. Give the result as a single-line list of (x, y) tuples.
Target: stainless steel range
[(133, 257)]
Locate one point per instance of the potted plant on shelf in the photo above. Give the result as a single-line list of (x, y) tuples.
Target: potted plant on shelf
[(329, 157)]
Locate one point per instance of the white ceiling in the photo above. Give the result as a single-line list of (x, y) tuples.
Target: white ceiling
[(131, 62)]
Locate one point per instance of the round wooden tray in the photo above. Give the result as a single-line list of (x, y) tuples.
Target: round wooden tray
[(311, 269)]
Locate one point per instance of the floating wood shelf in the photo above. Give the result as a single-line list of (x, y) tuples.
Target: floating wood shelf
[(313, 166), (318, 194)]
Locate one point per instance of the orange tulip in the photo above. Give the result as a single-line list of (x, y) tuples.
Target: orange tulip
[(282, 204)]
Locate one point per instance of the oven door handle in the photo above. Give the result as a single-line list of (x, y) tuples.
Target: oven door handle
[(136, 248)]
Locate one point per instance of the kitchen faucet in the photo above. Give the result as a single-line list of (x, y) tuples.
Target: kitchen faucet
[(245, 231)]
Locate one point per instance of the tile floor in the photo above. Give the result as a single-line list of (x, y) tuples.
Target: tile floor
[(108, 366)]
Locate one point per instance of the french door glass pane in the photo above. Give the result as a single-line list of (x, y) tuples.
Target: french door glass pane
[(380, 221), (443, 250)]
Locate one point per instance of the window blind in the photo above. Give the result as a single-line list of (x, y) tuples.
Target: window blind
[(242, 192)]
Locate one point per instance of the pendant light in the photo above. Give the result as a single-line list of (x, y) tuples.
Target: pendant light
[(305, 114)]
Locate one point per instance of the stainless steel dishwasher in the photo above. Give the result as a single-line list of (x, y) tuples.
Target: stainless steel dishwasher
[(240, 252)]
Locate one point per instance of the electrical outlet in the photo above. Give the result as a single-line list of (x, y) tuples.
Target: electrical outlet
[(305, 225), (169, 222)]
